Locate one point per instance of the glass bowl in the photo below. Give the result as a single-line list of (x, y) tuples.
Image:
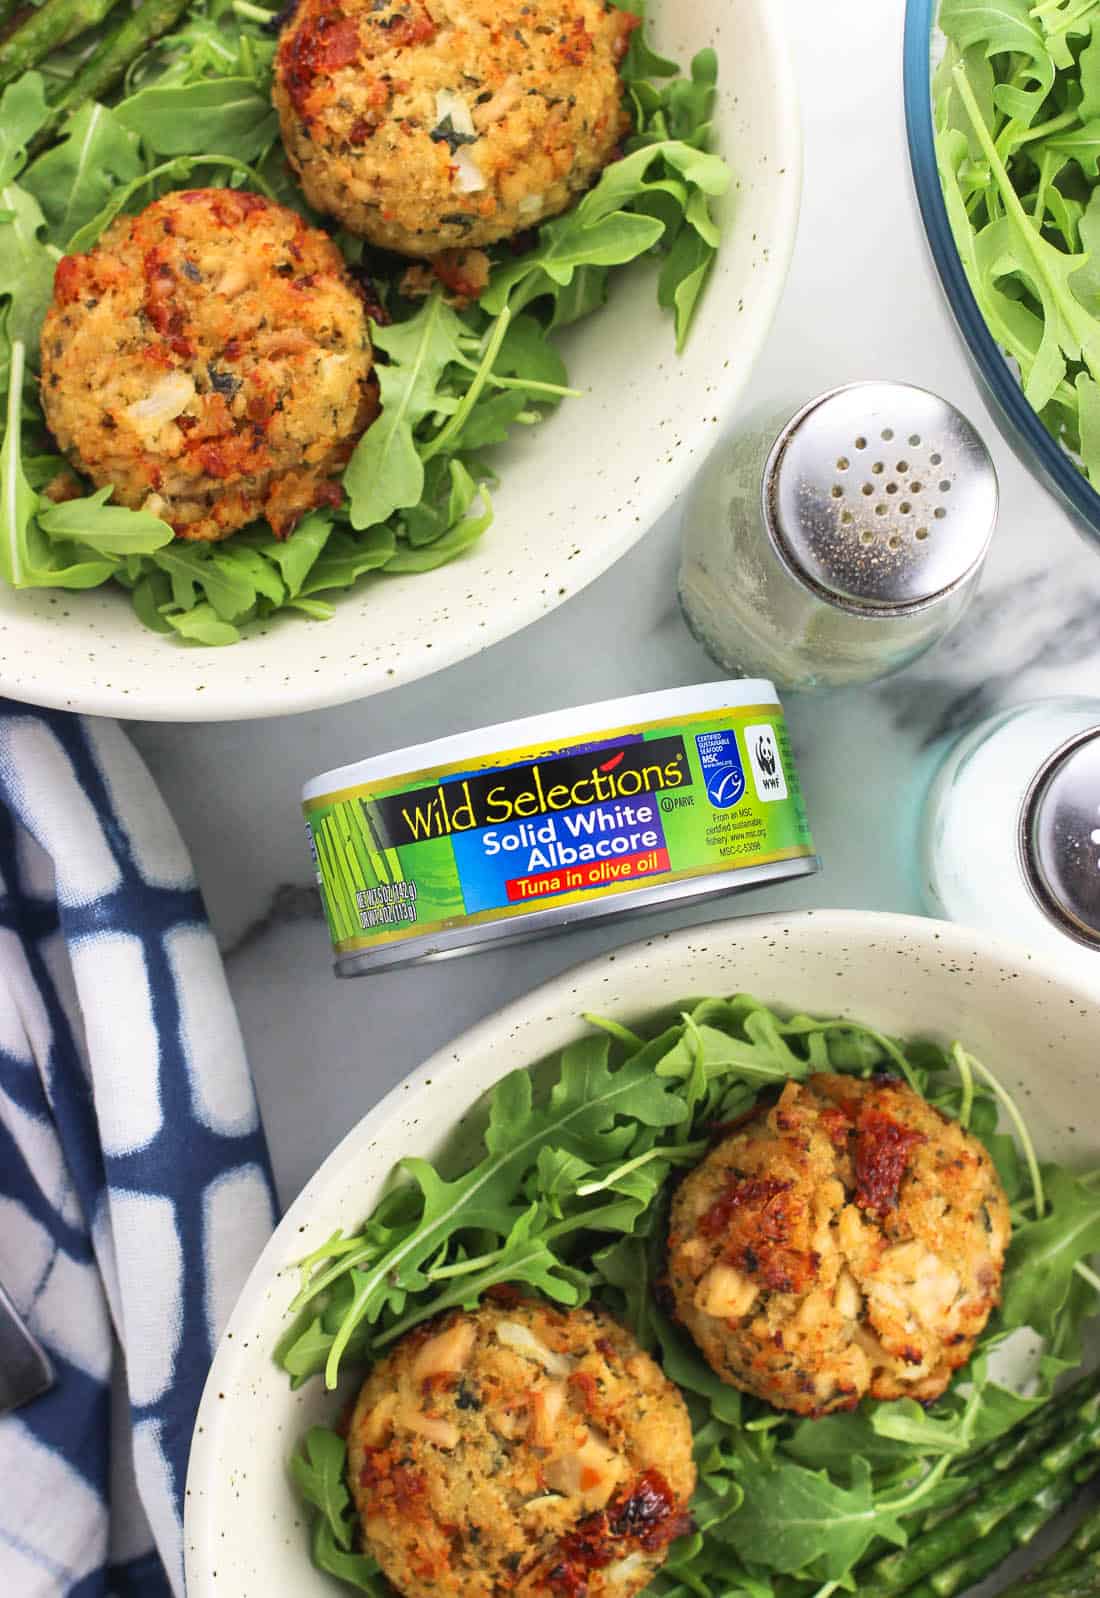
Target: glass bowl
[(1019, 424)]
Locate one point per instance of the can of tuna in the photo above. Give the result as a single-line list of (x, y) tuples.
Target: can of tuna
[(534, 825)]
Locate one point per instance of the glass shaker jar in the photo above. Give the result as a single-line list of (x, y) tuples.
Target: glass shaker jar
[(1011, 831), (837, 545)]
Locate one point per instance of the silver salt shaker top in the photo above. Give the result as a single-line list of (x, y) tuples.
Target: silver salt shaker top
[(880, 496), (1060, 837), (838, 544)]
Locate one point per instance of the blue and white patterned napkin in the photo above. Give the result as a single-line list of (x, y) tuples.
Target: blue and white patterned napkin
[(135, 1191)]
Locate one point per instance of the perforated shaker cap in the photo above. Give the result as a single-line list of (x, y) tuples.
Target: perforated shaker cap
[(881, 497), (1060, 837)]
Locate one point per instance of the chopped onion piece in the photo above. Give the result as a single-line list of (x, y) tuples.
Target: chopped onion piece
[(524, 1341), (468, 175), (168, 396), (455, 107)]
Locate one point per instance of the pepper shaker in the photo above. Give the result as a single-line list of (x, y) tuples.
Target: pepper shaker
[(1011, 831), (835, 546)]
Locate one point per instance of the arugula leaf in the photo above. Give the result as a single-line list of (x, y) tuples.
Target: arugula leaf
[(973, 1414), (230, 591), (1017, 114), (151, 596), (110, 529), (347, 556), (23, 111), (386, 472), (1003, 27), (295, 557), (527, 354), (1044, 1254), (449, 491), (319, 1474), (425, 557), (201, 624), (18, 501), (797, 1520), (581, 1115), (26, 267), (358, 1570), (602, 231), (684, 1365), (524, 1257), (27, 559), (641, 60), (74, 180), (229, 116), (681, 110), (833, 1442)]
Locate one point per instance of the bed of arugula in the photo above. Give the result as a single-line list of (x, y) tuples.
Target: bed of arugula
[(569, 1199), (1017, 126), (195, 110)]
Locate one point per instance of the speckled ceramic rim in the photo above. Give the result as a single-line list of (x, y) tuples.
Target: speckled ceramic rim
[(907, 974), (624, 483)]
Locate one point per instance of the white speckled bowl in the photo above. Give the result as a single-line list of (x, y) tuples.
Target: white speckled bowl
[(575, 495), (908, 976)]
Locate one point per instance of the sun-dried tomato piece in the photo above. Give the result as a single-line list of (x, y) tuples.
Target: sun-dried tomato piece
[(324, 43), (750, 1192), (882, 1154)]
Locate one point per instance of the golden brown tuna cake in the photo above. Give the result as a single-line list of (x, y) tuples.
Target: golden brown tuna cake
[(849, 1240), (210, 360), (427, 125), (520, 1448)]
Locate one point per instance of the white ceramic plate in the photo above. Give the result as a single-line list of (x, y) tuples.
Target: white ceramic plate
[(574, 497), (906, 975)]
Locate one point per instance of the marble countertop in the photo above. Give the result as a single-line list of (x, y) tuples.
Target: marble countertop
[(862, 301)]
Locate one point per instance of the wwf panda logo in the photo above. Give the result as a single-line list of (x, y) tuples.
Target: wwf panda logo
[(765, 755)]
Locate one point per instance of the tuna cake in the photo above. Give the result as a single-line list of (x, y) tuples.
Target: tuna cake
[(850, 1240), (433, 124), (210, 360), (520, 1448)]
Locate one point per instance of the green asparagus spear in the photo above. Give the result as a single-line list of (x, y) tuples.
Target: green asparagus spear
[(1026, 1438), (113, 54), (987, 1553), (1085, 1540), (51, 26), (1082, 1583), (987, 1465), (898, 1571), (1079, 1558), (8, 8)]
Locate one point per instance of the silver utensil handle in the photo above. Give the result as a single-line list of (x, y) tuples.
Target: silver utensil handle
[(25, 1370)]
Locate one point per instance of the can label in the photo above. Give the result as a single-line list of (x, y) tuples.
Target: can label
[(530, 829)]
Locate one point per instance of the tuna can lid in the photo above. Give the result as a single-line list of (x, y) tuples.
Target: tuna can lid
[(1060, 837), (575, 723), (881, 497)]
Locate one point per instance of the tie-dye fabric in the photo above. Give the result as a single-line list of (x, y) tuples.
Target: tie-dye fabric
[(134, 1184)]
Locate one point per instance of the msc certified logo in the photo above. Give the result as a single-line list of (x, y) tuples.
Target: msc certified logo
[(723, 772), (767, 768)]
